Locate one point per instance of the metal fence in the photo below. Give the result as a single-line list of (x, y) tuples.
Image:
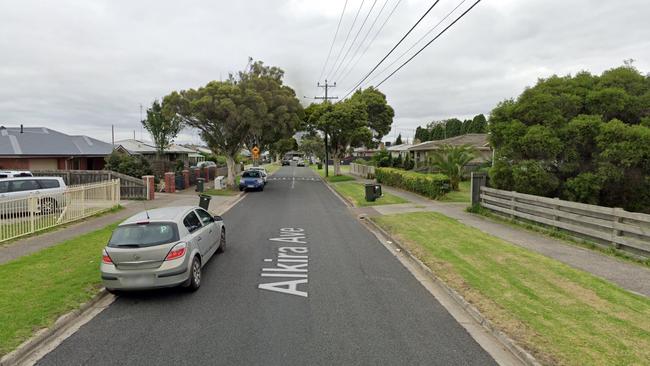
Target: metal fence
[(607, 226), (23, 216), (130, 187)]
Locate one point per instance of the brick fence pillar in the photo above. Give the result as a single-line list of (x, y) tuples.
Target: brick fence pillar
[(207, 174), (170, 182), (150, 185), (186, 178), (197, 172)]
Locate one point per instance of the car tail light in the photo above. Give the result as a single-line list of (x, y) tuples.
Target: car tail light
[(177, 251), (106, 258)]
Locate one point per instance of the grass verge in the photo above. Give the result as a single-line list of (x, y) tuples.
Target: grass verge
[(462, 195), (355, 192), (345, 169), (221, 192), (562, 315), (38, 288)]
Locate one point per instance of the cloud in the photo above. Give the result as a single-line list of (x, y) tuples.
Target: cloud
[(81, 66)]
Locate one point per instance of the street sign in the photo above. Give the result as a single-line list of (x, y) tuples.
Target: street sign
[(256, 152)]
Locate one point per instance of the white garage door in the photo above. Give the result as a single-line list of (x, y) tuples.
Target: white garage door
[(42, 164)]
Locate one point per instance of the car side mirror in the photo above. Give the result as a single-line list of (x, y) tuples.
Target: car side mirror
[(218, 218)]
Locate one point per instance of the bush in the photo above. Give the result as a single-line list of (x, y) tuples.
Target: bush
[(361, 161), (397, 162), (584, 188), (408, 164), (134, 166), (429, 185)]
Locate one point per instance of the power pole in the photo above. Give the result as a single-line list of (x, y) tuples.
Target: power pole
[(326, 86)]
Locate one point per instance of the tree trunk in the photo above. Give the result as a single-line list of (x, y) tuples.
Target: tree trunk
[(230, 163), (337, 161)]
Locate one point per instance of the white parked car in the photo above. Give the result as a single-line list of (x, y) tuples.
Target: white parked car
[(14, 173), (205, 164), (49, 190), (261, 170)]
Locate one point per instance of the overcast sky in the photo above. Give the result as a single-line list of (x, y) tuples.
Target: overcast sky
[(80, 66)]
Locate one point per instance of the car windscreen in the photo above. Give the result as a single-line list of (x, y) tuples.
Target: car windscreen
[(250, 174), (144, 235)]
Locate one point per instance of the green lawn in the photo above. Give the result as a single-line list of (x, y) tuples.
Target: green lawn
[(221, 192), (36, 289), (563, 315), (463, 195), (345, 169), (355, 192)]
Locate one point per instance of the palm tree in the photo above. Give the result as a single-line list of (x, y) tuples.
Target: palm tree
[(451, 160)]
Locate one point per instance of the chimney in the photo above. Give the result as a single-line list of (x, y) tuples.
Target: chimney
[(21, 128)]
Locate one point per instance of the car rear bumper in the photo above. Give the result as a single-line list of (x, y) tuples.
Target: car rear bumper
[(167, 275)]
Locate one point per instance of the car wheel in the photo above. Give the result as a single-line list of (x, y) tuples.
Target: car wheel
[(113, 291), (241, 189), (195, 275), (48, 206), (262, 188), (222, 241)]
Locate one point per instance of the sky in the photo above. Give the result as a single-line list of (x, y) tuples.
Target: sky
[(81, 66)]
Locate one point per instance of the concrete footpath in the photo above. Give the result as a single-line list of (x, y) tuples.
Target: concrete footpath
[(21, 247), (631, 276)]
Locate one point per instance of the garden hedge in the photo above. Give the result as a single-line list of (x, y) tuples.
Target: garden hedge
[(430, 185)]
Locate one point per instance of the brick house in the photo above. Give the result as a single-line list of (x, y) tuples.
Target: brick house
[(41, 148)]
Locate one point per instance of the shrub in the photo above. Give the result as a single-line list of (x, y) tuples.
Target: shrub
[(397, 162), (132, 165), (429, 185), (361, 161), (408, 164)]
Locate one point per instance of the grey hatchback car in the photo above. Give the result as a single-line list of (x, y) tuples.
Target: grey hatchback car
[(164, 247)]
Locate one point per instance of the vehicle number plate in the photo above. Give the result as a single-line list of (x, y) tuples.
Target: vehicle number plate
[(138, 280)]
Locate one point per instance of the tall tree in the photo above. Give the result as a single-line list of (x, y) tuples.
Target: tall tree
[(422, 134), (162, 126), (313, 145), (398, 140), (224, 112), (379, 113), (453, 127), (283, 146)]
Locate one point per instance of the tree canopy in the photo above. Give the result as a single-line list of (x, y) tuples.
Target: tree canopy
[(252, 107), (162, 126), (440, 130), (584, 138)]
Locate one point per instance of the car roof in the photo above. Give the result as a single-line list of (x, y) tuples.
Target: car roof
[(30, 177), (173, 213)]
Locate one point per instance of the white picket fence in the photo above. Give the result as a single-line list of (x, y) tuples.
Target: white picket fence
[(23, 216), (363, 171)]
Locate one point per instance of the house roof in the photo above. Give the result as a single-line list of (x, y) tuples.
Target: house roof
[(142, 147), (42, 141), (477, 140), (400, 147)]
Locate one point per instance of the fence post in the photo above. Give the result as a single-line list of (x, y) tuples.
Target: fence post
[(478, 180), (556, 208), (150, 187), (83, 201), (32, 208), (617, 219)]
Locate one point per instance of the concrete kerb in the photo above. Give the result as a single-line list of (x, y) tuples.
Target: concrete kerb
[(64, 322), (507, 342), (67, 321)]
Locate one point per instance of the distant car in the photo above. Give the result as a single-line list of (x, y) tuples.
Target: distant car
[(301, 163), (286, 162), (251, 179), (14, 173), (205, 164), (261, 170), (164, 247), (49, 190)]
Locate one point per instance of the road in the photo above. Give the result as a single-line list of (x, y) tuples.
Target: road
[(359, 305)]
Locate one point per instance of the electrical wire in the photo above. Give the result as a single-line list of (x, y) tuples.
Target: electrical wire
[(392, 49), (338, 26), (346, 38), (428, 43)]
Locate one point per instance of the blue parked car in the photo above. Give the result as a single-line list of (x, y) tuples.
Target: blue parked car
[(251, 179)]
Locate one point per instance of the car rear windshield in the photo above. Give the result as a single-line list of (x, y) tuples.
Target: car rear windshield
[(250, 174), (144, 235)]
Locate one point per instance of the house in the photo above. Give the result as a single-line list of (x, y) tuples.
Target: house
[(171, 153), (41, 148), (479, 141), (399, 150)]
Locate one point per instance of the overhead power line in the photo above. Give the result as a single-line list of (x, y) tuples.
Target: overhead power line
[(392, 49), (356, 51), (355, 39), (372, 40), (416, 43), (346, 38), (431, 41), (338, 26)]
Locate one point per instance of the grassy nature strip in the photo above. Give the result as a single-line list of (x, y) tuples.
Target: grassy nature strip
[(563, 315), (356, 193), (429, 185), (38, 288)]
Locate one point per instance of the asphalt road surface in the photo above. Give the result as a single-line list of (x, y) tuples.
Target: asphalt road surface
[(324, 291)]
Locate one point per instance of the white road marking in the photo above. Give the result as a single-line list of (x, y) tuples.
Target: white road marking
[(268, 260), (292, 262)]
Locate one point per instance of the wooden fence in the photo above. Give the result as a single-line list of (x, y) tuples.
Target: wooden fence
[(607, 226), (40, 211), (364, 171), (130, 187)]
